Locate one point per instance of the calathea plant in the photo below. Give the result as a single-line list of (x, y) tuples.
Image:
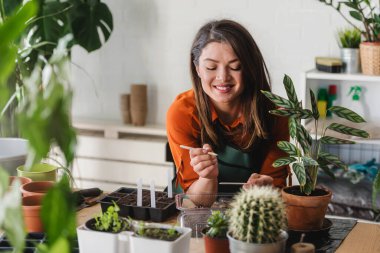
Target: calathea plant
[(305, 154)]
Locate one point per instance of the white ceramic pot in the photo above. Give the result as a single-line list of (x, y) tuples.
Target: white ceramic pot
[(142, 244), (237, 246), (91, 241), (13, 153)]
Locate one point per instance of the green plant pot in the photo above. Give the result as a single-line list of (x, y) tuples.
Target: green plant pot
[(39, 172)]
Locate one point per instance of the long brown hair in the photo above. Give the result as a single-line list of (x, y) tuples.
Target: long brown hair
[(255, 106)]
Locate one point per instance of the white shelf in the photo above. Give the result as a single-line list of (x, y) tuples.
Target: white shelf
[(112, 128), (315, 74)]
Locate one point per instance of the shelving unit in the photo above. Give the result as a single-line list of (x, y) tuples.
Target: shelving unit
[(365, 149), (111, 154)]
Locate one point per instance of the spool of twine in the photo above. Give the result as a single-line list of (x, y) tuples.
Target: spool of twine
[(302, 247), (125, 108), (139, 104)]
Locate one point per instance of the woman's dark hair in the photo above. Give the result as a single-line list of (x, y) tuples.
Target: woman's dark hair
[(255, 77)]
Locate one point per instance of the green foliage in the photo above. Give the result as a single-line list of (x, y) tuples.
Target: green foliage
[(257, 215), (362, 11), (111, 222), (349, 38), (375, 189), (165, 234), (305, 155), (59, 216), (11, 216), (217, 225)]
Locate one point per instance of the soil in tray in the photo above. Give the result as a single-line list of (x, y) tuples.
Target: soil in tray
[(118, 194), (166, 200)]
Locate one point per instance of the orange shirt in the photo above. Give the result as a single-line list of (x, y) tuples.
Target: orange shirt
[(183, 128)]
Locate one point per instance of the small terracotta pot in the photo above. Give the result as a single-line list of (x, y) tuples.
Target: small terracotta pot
[(23, 180), (31, 207), (36, 188), (215, 245), (305, 213)]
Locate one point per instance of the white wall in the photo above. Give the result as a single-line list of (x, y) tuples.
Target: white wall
[(152, 38)]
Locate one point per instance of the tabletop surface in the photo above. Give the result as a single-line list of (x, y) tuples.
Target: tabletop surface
[(364, 237)]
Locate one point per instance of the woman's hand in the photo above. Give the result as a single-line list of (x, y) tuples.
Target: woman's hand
[(205, 165), (258, 179)]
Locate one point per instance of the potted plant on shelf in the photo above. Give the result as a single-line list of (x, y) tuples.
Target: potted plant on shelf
[(103, 233), (368, 15), (257, 221), (306, 204), (149, 237), (215, 233), (349, 41)]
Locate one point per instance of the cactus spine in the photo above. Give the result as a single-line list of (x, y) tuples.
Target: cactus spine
[(257, 215)]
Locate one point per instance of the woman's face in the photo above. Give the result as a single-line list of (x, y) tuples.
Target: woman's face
[(220, 72)]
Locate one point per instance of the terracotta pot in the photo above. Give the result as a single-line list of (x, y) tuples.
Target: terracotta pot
[(36, 188), (31, 207), (216, 245), (305, 213)]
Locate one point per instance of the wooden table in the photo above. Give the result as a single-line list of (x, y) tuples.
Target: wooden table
[(363, 238)]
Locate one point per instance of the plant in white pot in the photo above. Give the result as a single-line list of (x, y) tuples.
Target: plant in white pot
[(257, 221), (366, 13), (306, 204), (349, 41), (104, 233), (163, 238)]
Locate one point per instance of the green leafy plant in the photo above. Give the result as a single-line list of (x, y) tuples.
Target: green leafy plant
[(349, 38), (360, 11), (217, 225), (257, 215), (167, 234), (110, 221), (306, 155)]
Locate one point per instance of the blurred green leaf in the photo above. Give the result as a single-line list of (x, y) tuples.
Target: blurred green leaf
[(314, 106), (283, 161), (356, 15), (288, 148), (333, 140), (90, 21), (299, 170), (375, 189), (331, 159), (346, 114), (59, 217), (290, 91), (277, 100), (292, 127), (348, 130)]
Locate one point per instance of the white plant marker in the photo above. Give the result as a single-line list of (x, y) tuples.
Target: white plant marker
[(170, 187), (139, 192), (152, 195)]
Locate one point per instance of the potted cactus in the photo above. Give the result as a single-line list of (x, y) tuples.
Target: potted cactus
[(257, 221), (215, 234), (307, 204)]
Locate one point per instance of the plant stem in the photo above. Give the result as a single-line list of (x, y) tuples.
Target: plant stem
[(2, 11)]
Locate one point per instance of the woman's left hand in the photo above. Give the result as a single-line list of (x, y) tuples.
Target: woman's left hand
[(258, 179)]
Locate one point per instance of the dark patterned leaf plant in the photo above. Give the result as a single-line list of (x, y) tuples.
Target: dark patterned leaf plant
[(305, 154)]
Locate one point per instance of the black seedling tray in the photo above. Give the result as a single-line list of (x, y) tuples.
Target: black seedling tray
[(126, 199)]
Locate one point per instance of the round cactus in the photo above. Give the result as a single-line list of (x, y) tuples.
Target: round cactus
[(257, 215)]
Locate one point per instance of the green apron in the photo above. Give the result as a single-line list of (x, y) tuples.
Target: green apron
[(234, 166)]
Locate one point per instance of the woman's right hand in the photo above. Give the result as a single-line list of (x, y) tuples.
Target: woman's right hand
[(205, 165)]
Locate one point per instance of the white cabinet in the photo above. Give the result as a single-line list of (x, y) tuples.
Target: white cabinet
[(110, 155), (365, 149)]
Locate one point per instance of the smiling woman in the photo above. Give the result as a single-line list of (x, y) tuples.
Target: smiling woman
[(225, 113)]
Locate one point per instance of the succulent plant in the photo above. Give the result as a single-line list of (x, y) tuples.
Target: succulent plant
[(257, 215), (217, 224)]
